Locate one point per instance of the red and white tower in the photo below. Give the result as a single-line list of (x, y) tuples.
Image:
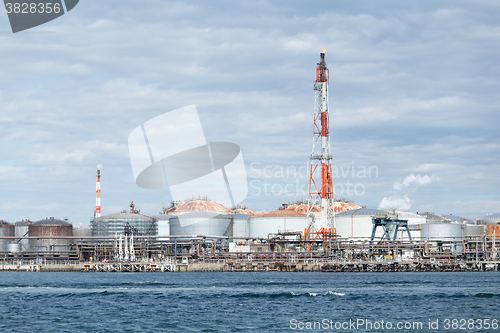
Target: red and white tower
[(321, 189), (98, 193)]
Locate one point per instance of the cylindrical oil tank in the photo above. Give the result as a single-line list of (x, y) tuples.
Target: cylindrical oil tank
[(6, 230), (240, 225), (22, 230), (414, 222), (261, 225), (163, 222), (358, 224), (447, 233), (13, 247), (201, 223), (472, 230), (50, 227), (489, 219), (494, 231), (124, 223)]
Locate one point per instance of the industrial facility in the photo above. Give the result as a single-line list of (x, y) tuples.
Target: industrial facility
[(319, 233)]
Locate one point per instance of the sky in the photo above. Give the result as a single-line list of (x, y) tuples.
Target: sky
[(413, 100)]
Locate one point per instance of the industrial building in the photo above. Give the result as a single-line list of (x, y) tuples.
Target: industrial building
[(319, 228)]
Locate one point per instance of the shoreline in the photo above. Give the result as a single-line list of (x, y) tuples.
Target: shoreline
[(259, 266)]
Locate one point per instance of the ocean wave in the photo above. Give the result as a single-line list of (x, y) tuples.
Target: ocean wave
[(486, 295), (285, 294)]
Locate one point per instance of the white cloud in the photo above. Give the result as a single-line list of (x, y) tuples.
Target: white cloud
[(10, 172), (414, 86), (412, 183), (426, 167), (395, 202)]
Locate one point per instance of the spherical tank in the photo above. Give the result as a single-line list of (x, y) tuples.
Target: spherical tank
[(6, 230), (201, 223), (261, 225), (50, 228)]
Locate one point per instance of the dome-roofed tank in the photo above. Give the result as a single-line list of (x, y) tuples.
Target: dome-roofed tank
[(433, 218), (243, 211), (50, 227), (198, 217), (338, 207), (489, 219), (196, 205), (455, 218), (6, 230)]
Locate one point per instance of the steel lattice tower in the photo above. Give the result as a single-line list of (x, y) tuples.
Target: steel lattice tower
[(321, 189)]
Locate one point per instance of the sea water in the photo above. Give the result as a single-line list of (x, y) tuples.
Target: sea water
[(249, 302)]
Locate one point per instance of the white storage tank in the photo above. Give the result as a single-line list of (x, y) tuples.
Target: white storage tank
[(448, 233), (196, 217), (21, 229), (6, 230), (489, 219), (201, 223), (357, 224), (473, 230), (414, 224), (261, 225), (13, 247), (163, 225), (241, 225)]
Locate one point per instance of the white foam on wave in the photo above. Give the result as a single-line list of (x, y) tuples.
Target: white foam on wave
[(334, 293)]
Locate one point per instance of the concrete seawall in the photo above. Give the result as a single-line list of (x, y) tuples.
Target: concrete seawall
[(262, 266)]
